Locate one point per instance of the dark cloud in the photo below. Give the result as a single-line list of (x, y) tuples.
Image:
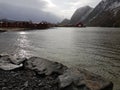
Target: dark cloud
[(26, 3), (26, 10)]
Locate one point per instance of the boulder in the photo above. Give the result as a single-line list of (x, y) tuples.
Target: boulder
[(63, 78), (80, 79), (6, 63), (2, 31), (16, 60), (44, 66)]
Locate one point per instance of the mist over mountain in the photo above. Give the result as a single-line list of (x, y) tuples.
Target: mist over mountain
[(80, 14), (15, 12), (105, 14)]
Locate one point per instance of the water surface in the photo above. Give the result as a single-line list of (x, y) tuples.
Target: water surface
[(95, 49)]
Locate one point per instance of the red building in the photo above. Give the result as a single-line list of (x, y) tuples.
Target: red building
[(79, 24)]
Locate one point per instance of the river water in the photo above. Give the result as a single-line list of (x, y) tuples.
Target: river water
[(95, 49)]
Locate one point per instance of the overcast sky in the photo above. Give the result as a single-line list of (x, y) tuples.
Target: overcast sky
[(65, 8), (60, 8)]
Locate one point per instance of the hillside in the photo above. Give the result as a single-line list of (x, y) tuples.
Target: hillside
[(80, 14), (105, 14), (65, 22)]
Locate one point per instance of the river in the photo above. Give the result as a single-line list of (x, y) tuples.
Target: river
[(93, 48)]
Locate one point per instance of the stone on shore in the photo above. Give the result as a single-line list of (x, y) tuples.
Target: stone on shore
[(44, 66), (41, 74), (6, 63), (2, 31), (81, 79)]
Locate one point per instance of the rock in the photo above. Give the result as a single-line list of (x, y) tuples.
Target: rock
[(44, 66), (8, 66), (4, 59), (2, 31), (81, 79), (4, 88), (17, 61), (6, 63), (26, 84), (56, 76)]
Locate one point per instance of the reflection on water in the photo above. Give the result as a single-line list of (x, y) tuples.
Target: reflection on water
[(95, 49), (22, 32), (22, 42)]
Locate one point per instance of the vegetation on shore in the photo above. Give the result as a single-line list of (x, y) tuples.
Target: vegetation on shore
[(11, 25)]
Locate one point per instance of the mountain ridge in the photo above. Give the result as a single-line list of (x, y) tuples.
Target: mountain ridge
[(80, 14), (105, 14)]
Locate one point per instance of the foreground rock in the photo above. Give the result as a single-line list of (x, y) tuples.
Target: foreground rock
[(44, 66), (2, 31), (80, 79), (6, 63), (41, 74)]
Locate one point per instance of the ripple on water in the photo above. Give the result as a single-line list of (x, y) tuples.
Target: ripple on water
[(96, 49)]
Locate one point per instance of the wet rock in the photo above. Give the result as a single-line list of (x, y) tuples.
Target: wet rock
[(5, 59), (2, 31), (4, 88), (26, 84), (7, 66), (81, 79), (17, 61), (42, 74), (6, 63), (44, 66)]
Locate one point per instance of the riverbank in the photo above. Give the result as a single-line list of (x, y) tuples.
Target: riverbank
[(20, 29), (41, 74), (13, 29)]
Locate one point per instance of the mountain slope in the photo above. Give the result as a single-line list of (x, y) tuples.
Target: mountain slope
[(105, 14), (65, 22), (80, 14)]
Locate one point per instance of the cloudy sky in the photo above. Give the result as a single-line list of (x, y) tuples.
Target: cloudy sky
[(49, 8), (65, 8)]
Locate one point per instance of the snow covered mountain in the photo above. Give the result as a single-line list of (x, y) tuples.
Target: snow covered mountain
[(80, 14), (106, 13)]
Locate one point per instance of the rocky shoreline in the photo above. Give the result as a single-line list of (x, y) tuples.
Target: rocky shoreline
[(41, 74)]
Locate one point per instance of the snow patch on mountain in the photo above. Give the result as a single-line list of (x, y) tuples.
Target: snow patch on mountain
[(114, 5), (110, 5), (106, 13)]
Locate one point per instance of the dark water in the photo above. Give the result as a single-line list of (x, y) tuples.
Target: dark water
[(96, 49)]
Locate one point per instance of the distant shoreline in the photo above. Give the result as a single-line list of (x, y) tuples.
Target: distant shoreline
[(12, 29), (17, 29)]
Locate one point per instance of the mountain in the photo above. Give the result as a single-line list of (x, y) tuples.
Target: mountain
[(65, 22), (80, 14), (20, 13), (105, 14)]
